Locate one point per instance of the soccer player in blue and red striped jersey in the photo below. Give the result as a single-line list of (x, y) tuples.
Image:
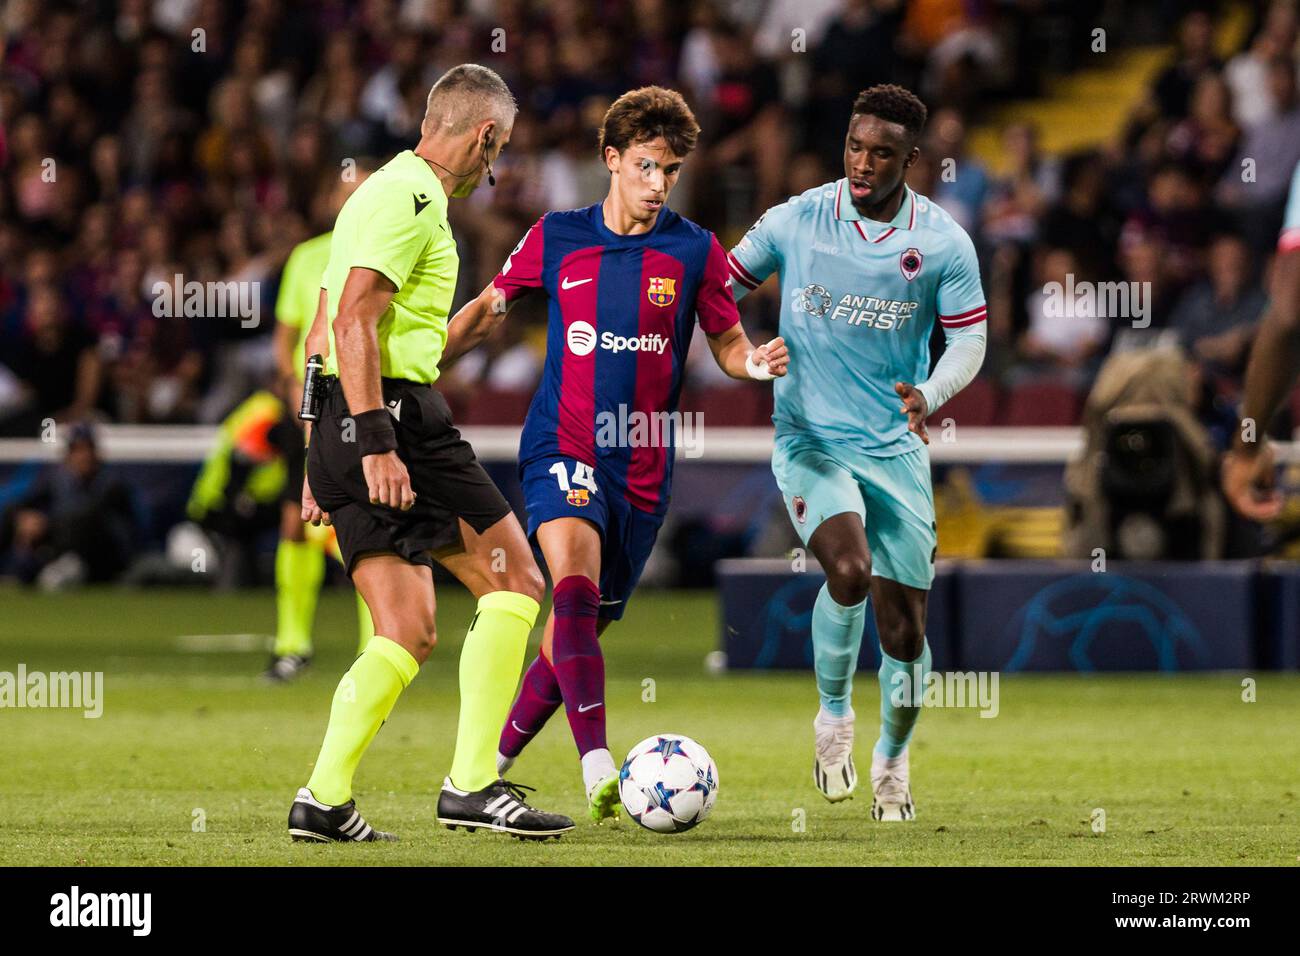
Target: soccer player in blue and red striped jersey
[(626, 281)]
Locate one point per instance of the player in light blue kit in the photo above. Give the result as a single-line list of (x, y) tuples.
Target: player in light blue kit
[(1249, 469), (867, 267)]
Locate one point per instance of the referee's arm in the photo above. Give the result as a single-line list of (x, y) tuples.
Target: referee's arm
[(366, 294), (476, 320), (479, 317), (318, 340)]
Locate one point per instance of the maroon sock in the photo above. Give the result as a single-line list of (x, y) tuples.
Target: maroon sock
[(538, 699), (576, 657)]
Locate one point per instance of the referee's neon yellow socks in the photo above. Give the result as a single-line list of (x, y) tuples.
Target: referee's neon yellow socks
[(362, 702), (299, 571), (490, 662)]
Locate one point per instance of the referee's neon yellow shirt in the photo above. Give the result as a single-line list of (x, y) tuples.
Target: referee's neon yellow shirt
[(396, 224), (300, 284)]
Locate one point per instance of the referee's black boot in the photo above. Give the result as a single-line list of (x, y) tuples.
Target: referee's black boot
[(500, 807), (313, 821)]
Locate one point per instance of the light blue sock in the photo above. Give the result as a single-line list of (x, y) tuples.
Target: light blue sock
[(898, 719), (836, 639)]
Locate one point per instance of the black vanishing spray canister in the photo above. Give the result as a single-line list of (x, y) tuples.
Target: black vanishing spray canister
[(311, 395)]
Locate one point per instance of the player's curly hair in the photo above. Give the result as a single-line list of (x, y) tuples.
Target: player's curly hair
[(893, 104), (648, 113)]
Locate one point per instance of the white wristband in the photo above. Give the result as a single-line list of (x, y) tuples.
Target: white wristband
[(756, 371)]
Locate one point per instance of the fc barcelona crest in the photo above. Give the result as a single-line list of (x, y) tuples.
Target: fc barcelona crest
[(910, 263), (578, 497), (662, 290)]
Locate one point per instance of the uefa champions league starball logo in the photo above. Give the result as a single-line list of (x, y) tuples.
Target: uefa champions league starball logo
[(1103, 621), (812, 299)]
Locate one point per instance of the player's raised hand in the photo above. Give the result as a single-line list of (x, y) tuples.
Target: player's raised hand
[(387, 481), (310, 510), (774, 355), (915, 407), (1248, 483)]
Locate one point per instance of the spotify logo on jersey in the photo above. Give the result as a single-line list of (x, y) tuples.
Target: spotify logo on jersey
[(581, 337)]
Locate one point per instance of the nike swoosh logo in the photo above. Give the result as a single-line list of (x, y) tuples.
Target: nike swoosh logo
[(419, 206), (515, 725), (583, 708), (566, 284)]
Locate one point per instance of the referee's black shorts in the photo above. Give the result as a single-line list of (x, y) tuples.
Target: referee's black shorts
[(286, 436), (448, 481)]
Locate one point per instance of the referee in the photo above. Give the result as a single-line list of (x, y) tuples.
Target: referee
[(388, 469), (300, 554)]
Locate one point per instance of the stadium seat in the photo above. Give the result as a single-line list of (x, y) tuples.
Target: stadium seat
[(492, 406), (766, 404), (729, 406), (1293, 406), (1040, 404), (456, 402), (975, 405)]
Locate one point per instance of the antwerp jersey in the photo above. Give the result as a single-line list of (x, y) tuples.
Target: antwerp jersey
[(1290, 236), (858, 301)]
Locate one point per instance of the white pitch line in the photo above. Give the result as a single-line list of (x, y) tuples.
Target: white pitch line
[(223, 643)]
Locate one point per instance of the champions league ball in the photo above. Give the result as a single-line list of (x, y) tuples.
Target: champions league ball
[(668, 783)]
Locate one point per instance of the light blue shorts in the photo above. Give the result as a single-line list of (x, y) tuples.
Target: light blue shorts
[(891, 496)]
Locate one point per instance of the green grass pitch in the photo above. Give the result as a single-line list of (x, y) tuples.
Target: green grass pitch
[(1186, 772)]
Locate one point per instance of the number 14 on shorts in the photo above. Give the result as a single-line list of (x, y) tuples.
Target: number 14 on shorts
[(583, 477)]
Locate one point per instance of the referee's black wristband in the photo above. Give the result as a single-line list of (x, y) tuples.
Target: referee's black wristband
[(375, 434)]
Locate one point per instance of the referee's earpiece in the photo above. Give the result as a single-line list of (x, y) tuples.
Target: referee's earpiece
[(487, 144)]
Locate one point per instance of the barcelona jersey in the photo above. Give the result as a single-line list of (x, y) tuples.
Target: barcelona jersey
[(621, 313)]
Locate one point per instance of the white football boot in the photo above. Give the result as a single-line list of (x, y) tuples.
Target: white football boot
[(893, 793), (833, 770)]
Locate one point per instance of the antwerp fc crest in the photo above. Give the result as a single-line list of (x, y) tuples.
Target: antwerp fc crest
[(800, 509), (662, 290), (910, 263), (578, 497)]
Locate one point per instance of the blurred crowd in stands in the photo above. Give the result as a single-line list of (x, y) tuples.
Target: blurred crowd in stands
[(142, 139)]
